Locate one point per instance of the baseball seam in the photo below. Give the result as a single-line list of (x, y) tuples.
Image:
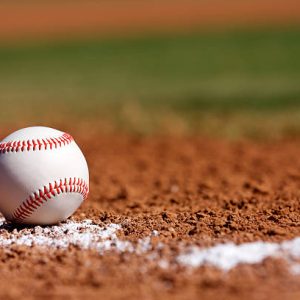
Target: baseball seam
[(36, 144), (47, 192)]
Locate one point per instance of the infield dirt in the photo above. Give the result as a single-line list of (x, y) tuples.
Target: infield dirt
[(191, 190), (65, 19)]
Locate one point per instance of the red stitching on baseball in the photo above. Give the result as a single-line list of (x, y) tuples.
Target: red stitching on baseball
[(37, 144), (42, 195)]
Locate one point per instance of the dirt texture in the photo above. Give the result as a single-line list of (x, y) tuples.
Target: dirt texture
[(66, 19), (189, 189)]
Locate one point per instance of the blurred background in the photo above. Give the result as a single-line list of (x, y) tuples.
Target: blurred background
[(224, 68)]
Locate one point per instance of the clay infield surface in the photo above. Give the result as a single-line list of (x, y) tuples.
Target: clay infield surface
[(64, 19), (167, 217)]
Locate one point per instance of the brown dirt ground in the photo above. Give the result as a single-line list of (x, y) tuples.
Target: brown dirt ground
[(199, 190), (61, 19)]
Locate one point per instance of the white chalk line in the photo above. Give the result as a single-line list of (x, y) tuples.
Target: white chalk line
[(88, 235), (228, 256)]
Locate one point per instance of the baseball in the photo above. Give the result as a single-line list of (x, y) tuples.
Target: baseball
[(44, 176)]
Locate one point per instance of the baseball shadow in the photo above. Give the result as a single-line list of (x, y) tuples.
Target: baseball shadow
[(10, 227)]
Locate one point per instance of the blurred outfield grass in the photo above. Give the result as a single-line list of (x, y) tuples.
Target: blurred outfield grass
[(238, 83)]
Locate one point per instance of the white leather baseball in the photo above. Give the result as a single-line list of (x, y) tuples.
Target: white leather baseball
[(44, 176)]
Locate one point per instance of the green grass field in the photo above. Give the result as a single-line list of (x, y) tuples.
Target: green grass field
[(232, 84)]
